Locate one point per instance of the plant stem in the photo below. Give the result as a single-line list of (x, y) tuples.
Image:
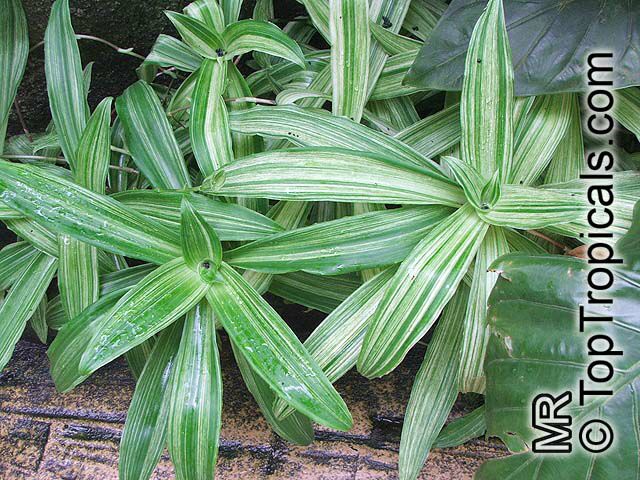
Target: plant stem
[(538, 234), (21, 120)]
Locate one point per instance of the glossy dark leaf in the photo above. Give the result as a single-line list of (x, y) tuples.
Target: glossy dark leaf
[(547, 291), (549, 39)]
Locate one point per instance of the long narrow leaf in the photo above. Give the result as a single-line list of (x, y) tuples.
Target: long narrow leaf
[(538, 136), (14, 49), (78, 275), (157, 301), (195, 404), (434, 390), (150, 138), (318, 128), (463, 429), (295, 428), (568, 161), (201, 247), (13, 260), (343, 245), (324, 294), (22, 301), (476, 327), (198, 35), (67, 94), (527, 207), (274, 352), (336, 342), (209, 121), (331, 174), (94, 149), (171, 52), (145, 429), (486, 107), (254, 35), (66, 208), (230, 221), (421, 288), (66, 350), (434, 134), (350, 39)]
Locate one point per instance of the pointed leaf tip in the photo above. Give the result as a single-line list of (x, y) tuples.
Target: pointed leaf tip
[(201, 246)]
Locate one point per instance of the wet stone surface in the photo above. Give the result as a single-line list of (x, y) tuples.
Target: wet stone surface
[(47, 435)]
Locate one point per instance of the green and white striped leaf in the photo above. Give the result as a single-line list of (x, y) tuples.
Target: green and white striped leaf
[(14, 50), (94, 149), (198, 35), (138, 356), (77, 275), (462, 429), (150, 138), (66, 208), (295, 428), (343, 245), (627, 109), (318, 128), (476, 327), (324, 294), (145, 430), (434, 134), (568, 160), (66, 350), (538, 137), (65, 85), (22, 301), (195, 398), (290, 96), (254, 35), (529, 208), (158, 300), (78, 270), (422, 17), (331, 174), (237, 87), (393, 43), (231, 9), (38, 321), (230, 221), (13, 260), (290, 215), (434, 390), (419, 291), (390, 84), (469, 179), (336, 342), (35, 234), (274, 352), (209, 121), (208, 12), (201, 247), (486, 107), (318, 11), (171, 52), (350, 43), (398, 113)]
